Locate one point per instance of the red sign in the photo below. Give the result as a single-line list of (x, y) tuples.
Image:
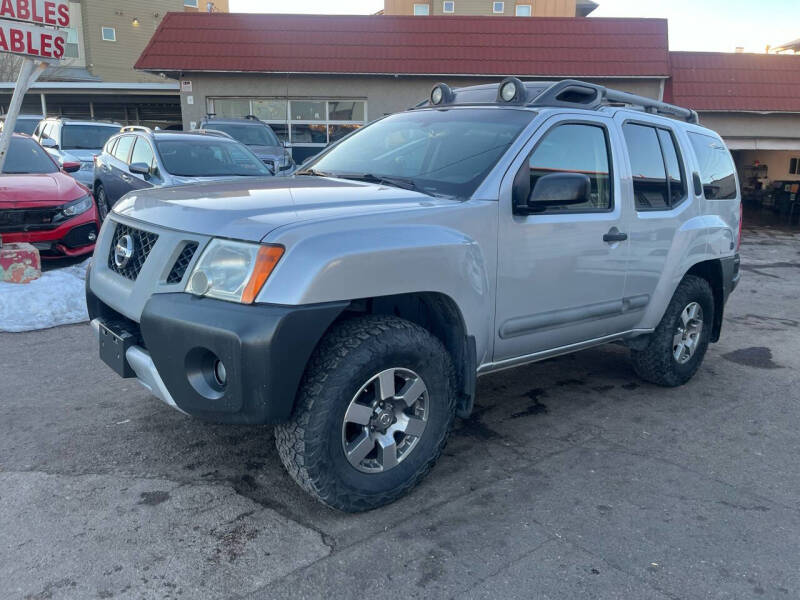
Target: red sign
[(42, 12), (27, 40)]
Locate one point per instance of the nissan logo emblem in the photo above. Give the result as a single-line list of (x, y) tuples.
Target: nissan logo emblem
[(123, 251)]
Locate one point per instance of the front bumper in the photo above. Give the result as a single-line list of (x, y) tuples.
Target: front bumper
[(264, 350), (74, 237)]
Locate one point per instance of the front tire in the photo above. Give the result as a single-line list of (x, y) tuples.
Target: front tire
[(102, 202), (374, 409), (679, 343)]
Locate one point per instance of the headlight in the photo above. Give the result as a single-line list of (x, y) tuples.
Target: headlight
[(76, 207), (233, 271), (286, 161)]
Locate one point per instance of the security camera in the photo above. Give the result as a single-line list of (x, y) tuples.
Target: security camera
[(162, 75)]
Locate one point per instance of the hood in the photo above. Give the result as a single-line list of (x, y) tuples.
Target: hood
[(249, 209), (268, 152), (47, 189), (79, 155), (179, 180)]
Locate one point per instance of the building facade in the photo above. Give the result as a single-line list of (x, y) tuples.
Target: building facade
[(500, 8), (315, 77), (97, 79)]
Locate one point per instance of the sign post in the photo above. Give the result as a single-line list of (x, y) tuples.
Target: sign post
[(29, 28)]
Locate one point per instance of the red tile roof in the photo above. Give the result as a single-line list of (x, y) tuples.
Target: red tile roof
[(735, 82), (408, 45)]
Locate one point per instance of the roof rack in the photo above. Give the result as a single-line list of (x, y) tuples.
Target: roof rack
[(573, 93), (214, 132), (569, 93), (129, 128)]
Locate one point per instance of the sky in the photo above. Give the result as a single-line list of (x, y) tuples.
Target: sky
[(710, 25)]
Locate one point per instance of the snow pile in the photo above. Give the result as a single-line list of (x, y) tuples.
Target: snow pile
[(56, 298)]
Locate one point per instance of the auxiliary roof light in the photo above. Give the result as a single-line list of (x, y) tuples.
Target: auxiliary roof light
[(511, 90), (441, 94)]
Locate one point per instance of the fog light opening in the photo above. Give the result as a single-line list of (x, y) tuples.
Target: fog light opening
[(220, 374)]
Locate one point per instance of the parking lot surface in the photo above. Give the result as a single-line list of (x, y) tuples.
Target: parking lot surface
[(573, 479)]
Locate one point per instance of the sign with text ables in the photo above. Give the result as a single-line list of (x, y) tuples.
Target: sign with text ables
[(38, 12), (28, 40)]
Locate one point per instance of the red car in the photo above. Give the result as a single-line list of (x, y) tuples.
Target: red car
[(42, 205)]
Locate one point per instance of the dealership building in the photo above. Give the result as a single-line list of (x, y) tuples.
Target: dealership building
[(314, 78)]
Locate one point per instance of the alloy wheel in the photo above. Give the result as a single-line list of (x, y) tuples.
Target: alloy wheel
[(385, 420), (687, 334)]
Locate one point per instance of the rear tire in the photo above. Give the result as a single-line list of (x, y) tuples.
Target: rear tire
[(679, 343), (336, 446)]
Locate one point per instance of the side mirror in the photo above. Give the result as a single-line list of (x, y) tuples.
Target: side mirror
[(285, 143), (49, 143), (557, 189), (139, 168), (71, 167)]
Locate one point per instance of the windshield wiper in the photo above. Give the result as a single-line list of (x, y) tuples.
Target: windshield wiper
[(313, 173), (400, 182)]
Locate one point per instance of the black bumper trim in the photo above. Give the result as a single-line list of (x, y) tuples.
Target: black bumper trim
[(264, 348)]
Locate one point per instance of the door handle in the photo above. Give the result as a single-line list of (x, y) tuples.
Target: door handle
[(615, 236), (125, 178)]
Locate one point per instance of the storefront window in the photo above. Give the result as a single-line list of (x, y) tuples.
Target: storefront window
[(231, 107), (270, 110), (308, 125), (337, 132), (305, 110), (346, 111), (309, 134)]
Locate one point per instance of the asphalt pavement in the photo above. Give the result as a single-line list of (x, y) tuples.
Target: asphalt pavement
[(572, 480)]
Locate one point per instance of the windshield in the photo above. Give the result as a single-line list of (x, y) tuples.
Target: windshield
[(26, 125), (86, 137), (26, 156), (252, 135), (441, 152), (209, 158)]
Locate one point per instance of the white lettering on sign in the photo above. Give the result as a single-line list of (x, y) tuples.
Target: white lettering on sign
[(42, 12), (18, 38), (186, 85)]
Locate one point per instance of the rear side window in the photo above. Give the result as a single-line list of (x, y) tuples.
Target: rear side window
[(576, 148), (658, 179), (123, 148), (717, 172)]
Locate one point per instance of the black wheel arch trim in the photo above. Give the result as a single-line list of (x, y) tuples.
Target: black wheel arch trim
[(723, 275)]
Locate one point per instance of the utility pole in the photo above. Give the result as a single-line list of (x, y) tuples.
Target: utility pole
[(28, 73)]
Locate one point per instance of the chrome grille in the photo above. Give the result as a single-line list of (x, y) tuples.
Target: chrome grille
[(182, 263), (143, 242)]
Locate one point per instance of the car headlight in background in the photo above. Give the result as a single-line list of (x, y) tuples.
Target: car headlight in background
[(233, 271), (286, 160), (75, 208)]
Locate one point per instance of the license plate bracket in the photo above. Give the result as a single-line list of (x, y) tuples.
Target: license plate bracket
[(114, 343)]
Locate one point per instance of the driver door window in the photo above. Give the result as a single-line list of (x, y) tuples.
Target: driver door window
[(576, 148), (143, 153)]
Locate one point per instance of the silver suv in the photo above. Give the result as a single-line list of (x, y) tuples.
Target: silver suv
[(67, 140), (355, 304)]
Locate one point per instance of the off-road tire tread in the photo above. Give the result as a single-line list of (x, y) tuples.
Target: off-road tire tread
[(654, 363), (299, 442)]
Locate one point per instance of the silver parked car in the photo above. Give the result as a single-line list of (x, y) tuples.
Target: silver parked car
[(139, 159), (355, 304), (68, 140)]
